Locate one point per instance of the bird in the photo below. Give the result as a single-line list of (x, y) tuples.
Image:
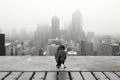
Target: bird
[(60, 56)]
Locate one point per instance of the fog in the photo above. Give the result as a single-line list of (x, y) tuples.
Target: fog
[(99, 16)]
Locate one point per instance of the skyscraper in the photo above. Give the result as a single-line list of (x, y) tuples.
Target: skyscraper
[(76, 28), (55, 27), (89, 48), (2, 44), (90, 36)]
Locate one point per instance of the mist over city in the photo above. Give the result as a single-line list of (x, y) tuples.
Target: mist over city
[(86, 27)]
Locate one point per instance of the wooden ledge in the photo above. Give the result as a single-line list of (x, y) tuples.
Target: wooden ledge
[(47, 63)]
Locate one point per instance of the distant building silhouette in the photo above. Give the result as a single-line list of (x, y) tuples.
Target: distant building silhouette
[(89, 47), (2, 44), (90, 36), (104, 50), (55, 25), (76, 26), (81, 48), (115, 49)]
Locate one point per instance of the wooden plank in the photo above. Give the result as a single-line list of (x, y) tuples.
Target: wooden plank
[(12, 76), (39, 76), (26, 76), (3, 74), (100, 76), (118, 73), (74, 63), (88, 76), (76, 76), (51, 76), (112, 75), (63, 76)]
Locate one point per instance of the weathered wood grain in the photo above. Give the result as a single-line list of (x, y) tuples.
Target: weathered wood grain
[(12, 76), (100, 76), (47, 63), (76, 76), (112, 75), (39, 76), (3, 74), (51, 76), (63, 76), (26, 76), (88, 76), (60, 75), (118, 73)]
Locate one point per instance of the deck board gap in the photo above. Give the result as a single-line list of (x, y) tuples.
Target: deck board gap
[(19, 76), (32, 75), (106, 75), (57, 75), (69, 74), (45, 75), (116, 74), (82, 75), (6, 75), (94, 75)]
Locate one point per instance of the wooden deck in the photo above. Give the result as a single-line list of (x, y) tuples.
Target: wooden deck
[(60, 75), (43, 68)]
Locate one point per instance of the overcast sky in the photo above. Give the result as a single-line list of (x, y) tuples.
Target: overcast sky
[(99, 16)]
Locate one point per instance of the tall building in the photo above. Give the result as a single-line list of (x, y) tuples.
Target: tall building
[(85, 48), (76, 26), (104, 50), (115, 49), (2, 44), (55, 27), (89, 49), (82, 51), (90, 36)]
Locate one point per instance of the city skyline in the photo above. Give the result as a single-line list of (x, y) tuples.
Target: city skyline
[(98, 16)]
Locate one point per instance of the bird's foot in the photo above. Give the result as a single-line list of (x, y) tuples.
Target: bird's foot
[(57, 67), (65, 67)]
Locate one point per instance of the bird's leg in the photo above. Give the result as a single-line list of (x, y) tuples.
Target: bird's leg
[(64, 65), (58, 65)]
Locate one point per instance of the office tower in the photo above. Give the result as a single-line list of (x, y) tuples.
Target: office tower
[(106, 50), (55, 25), (115, 49), (76, 26), (82, 48), (89, 49), (90, 36), (2, 44), (97, 46)]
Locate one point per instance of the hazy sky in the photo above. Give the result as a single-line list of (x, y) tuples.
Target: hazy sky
[(100, 16)]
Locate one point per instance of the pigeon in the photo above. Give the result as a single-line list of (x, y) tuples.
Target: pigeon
[(60, 56)]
